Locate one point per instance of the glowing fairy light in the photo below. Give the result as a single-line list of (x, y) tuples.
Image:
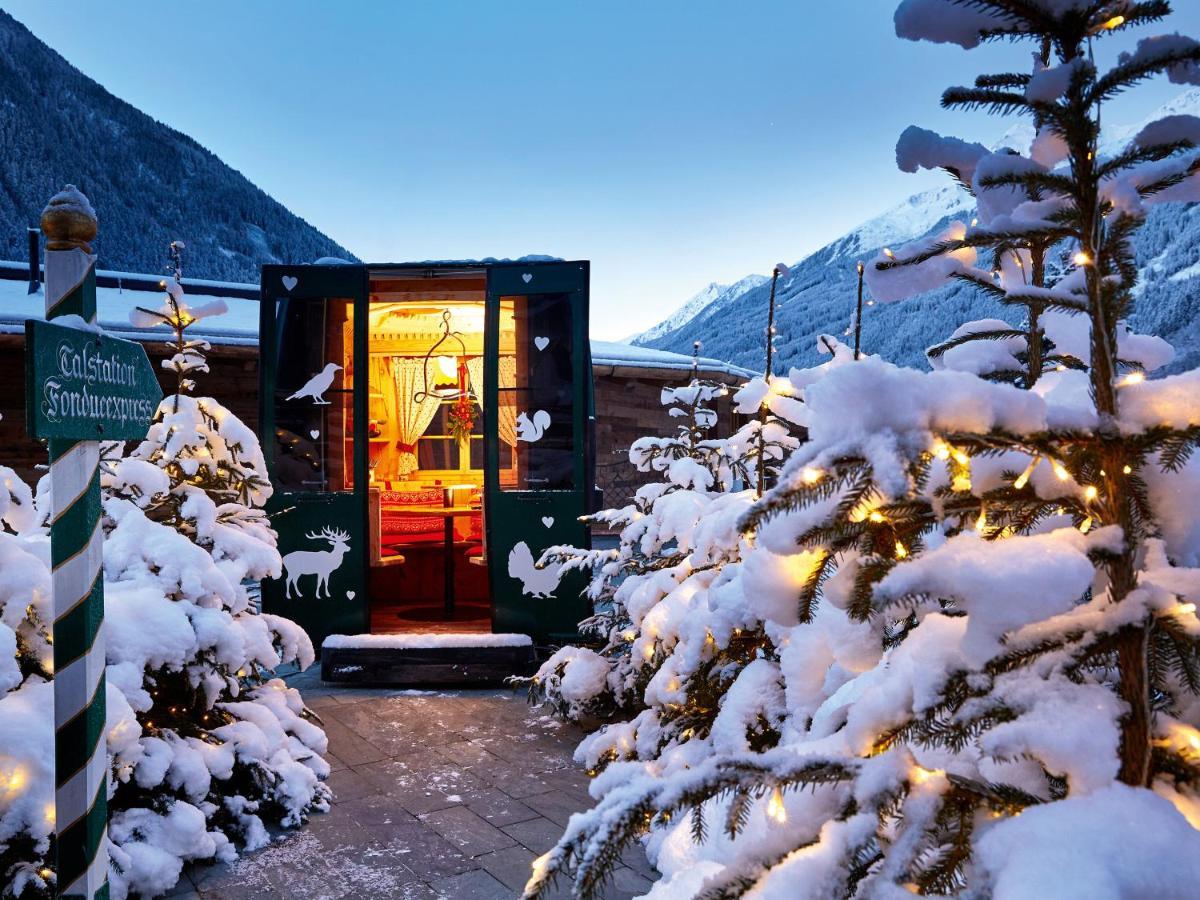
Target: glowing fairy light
[(775, 808), (876, 516), (1086, 525), (887, 251), (901, 550), (811, 475), (1128, 470), (1114, 22), (1023, 478), (920, 775), (941, 450), (1081, 259), (1090, 493), (1133, 378), (1060, 471), (981, 522)]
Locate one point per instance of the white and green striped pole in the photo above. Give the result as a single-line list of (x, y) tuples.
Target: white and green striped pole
[(76, 550)]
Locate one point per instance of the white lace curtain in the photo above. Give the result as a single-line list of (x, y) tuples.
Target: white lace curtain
[(507, 414), (412, 418)]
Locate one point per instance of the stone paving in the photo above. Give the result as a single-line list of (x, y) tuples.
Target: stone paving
[(438, 794)]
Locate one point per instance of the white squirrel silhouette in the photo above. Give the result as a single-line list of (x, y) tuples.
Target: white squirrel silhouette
[(321, 563), (316, 386), (535, 582), (532, 431)]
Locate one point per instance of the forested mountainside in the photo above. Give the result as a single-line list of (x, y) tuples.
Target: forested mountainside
[(149, 183), (818, 295)]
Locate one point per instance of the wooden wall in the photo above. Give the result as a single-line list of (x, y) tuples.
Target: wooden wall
[(627, 408)]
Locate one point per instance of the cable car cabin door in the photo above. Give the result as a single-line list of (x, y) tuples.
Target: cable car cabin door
[(537, 460), (310, 402)]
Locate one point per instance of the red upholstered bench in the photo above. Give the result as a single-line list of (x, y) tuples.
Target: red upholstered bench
[(397, 528)]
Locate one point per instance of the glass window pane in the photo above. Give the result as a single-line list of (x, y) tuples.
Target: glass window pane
[(314, 391), (536, 391)]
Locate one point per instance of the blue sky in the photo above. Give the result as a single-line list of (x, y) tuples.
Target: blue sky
[(672, 143)]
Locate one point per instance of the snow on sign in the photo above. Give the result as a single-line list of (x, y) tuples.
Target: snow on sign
[(81, 383)]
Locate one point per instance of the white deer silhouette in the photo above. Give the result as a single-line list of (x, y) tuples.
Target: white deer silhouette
[(321, 563)]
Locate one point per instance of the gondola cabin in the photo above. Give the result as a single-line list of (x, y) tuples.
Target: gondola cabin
[(430, 435)]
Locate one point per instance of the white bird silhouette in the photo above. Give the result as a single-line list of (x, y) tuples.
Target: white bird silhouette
[(532, 431), (534, 581), (316, 386)]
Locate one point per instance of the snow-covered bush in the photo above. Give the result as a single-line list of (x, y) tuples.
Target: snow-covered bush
[(207, 748), (982, 653)]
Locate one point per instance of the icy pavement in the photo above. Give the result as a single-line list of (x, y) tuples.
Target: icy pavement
[(438, 794)]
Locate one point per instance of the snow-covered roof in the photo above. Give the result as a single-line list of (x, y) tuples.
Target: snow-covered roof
[(239, 326), (610, 353)]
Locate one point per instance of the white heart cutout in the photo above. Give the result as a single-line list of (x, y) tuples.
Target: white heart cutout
[(541, 342), (290, 281), (314, 434), (527, 277), (349, 595), (547, 521)]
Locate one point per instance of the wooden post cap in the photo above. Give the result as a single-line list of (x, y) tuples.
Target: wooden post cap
[(68, 221)]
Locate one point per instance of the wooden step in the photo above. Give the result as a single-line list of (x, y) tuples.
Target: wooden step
[(429, 658)]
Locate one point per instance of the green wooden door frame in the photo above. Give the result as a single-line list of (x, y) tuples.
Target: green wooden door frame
[(343, 606), (542, 606)]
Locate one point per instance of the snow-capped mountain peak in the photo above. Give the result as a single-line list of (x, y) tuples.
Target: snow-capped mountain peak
[(709, 297)]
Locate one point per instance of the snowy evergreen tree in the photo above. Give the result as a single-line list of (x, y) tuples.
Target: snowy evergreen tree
[(984, 654), (207, 748)]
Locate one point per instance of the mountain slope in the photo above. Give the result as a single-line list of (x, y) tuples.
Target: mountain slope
[(714, 293), (149, 183), (818, 296)]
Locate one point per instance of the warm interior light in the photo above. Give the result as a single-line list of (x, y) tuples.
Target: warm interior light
[(446, 366)]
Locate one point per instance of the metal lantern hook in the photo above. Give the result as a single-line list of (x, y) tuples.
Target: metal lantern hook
[(447, 334)]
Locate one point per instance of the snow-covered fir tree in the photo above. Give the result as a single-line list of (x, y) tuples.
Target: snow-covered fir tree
[(982, 666), (207, 748), (662, 552)]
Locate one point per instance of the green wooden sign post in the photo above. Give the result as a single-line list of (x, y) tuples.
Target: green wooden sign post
[(81, 387)]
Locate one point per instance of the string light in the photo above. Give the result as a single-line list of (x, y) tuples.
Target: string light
[(1090, 493), (876, 516), (959, 456), (901, 551), (1086, 525), (1184, 609), (981, 522), (775, 808), (1023, 478), (887, 251), (961, 483), (920, 775), (941, 450), (1133, 378), (1114, 22), (1128, 470), (1082, 259), (811, 475)]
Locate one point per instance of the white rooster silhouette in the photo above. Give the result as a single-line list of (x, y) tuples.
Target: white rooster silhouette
[(535, 582), (532, 431), (316, 386)]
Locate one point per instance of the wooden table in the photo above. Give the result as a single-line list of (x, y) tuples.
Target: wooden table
[(448, 514)]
